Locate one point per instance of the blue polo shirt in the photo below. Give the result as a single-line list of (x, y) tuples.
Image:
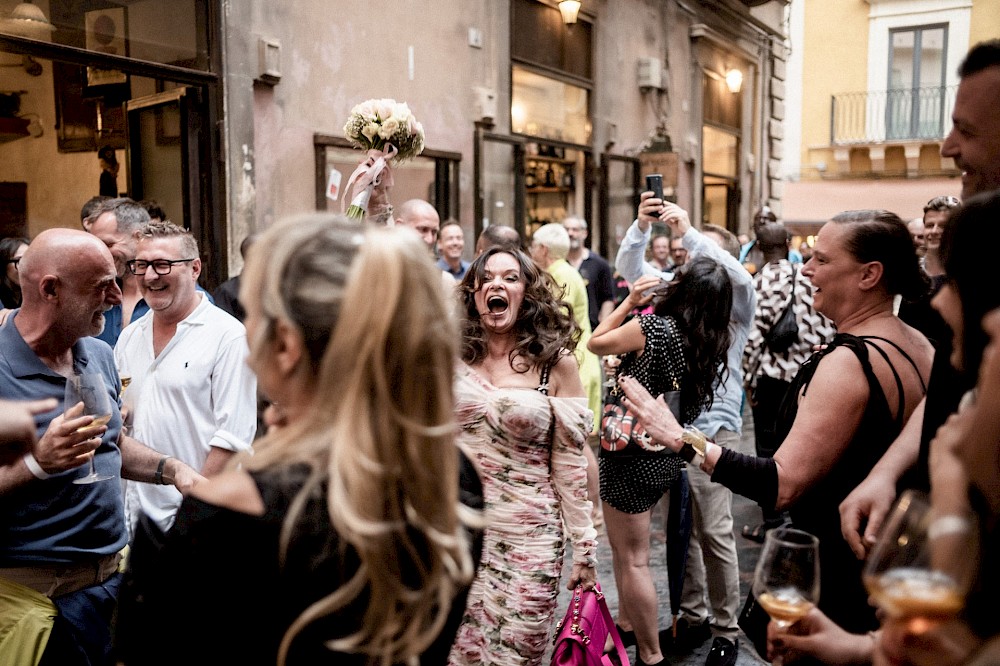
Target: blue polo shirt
[(53, 520), (463, 266)]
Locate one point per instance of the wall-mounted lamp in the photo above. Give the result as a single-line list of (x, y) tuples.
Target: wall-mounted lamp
[(27, 20), (569, 10), (734, 80)]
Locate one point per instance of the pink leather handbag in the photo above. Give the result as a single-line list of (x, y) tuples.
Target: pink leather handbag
[(583, 632)]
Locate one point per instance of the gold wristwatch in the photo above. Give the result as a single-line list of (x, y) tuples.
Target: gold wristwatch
[(695, 444)]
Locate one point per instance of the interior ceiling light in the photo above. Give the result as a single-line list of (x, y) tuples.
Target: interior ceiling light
[(28, 20)]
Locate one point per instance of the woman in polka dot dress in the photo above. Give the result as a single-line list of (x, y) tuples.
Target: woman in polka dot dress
[(680, 347)]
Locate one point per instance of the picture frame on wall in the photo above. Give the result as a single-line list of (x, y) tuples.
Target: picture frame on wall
[(106, 33)]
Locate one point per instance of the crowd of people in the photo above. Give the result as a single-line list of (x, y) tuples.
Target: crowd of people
[(297, 477)]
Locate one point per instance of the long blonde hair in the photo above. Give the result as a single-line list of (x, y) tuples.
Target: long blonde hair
[(371, 311)]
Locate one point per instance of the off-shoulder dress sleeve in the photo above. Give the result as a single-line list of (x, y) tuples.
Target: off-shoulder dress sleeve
[(569, 475)]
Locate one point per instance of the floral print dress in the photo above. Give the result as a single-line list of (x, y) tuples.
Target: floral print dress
[(529, 450)]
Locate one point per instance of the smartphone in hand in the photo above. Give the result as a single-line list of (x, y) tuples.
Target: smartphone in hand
[(654, 184)]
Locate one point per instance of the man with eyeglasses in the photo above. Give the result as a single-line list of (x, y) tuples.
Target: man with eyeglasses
[(117, 222), (192, 393)]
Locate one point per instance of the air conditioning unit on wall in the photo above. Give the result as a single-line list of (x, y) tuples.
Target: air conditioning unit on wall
[(649, 74)]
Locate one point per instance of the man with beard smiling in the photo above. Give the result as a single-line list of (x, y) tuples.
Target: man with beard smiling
[(974, 140), (195, 396), (595, 271), (59, 538)]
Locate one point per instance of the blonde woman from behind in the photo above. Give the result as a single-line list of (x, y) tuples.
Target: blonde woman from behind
[(346, 538)]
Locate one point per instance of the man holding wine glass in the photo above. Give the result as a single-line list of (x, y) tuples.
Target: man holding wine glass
[(59, 538)]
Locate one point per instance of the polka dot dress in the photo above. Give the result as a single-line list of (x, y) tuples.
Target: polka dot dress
[(633, 479)]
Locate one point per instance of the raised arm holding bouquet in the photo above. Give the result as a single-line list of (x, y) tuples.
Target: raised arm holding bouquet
[(387, 130)]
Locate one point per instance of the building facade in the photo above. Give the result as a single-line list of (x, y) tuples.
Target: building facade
[(871, 104), (232, 114)]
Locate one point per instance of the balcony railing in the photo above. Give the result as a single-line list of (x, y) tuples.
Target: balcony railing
[(891, 115)]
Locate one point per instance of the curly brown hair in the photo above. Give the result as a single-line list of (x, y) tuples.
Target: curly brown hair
[(545, 328)]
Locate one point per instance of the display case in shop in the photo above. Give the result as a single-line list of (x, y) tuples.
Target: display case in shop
[(550, 186)]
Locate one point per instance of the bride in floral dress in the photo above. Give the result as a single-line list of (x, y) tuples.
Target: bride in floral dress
[(524, 419)]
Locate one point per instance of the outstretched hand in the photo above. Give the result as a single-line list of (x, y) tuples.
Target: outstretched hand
[(652, 209), (653, 413), (17, 428), (867, 505)]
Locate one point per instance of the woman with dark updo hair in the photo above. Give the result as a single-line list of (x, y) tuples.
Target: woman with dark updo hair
[(844, 408)]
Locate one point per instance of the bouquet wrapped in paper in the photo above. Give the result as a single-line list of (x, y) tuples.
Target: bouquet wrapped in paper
[(388, 132)]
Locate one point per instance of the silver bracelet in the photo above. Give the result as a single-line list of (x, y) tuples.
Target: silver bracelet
[(33, 467)]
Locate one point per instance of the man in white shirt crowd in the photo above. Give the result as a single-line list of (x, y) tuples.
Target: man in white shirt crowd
[(192, 392)]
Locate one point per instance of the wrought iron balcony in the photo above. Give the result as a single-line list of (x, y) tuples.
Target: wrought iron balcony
[(912, 114)]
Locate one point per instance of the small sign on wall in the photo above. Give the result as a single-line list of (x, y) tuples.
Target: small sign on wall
[(664, 163)]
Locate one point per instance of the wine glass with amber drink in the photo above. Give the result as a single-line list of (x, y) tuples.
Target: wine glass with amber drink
[(923, 562), (786, 580), (89, 389)]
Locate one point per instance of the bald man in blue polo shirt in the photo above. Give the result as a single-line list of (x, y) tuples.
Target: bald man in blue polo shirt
[(59, 538)]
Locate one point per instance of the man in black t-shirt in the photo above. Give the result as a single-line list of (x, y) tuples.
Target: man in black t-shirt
[(595, 271)]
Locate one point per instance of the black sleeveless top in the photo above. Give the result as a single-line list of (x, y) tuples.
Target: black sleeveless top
[(842, 595), (212, 590)]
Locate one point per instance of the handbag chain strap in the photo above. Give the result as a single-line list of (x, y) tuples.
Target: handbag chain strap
[(575, 627)]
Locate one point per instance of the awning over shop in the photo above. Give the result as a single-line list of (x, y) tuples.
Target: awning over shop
[(806, 205)]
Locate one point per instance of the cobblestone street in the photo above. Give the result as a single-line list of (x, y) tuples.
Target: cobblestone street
[(745, 512)]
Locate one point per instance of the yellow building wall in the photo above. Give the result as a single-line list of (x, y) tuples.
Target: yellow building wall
[(835, 60), (985, 21)]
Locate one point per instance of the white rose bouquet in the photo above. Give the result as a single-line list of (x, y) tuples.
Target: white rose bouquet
[(388, 132)]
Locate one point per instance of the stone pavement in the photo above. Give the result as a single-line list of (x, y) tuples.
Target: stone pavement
[(745, 512)]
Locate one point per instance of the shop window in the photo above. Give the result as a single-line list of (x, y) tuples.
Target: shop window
[(548, 108)]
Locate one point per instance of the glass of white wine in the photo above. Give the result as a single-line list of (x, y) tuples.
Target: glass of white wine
[(786, 580), (89, 389), (923, 562)]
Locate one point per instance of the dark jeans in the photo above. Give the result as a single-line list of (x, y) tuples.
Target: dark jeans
[(81, 635), (767, 397)]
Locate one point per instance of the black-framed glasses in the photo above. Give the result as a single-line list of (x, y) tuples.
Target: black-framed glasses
[(160, 266), (13, 261)]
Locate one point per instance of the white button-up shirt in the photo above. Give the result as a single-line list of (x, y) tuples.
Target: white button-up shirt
[(198, 393)]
